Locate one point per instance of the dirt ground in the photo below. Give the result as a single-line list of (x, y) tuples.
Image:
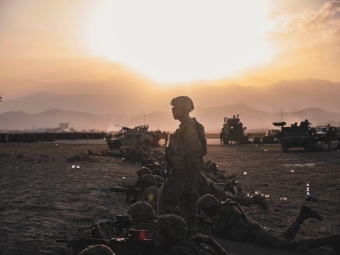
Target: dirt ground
[(42, 198)]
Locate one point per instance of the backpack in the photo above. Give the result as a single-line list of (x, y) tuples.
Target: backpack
[(201, 134)]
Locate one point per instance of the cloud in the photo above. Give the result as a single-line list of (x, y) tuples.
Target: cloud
[(307, 27), (307, 43)]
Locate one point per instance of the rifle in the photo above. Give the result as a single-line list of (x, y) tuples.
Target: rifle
[(128, 189), (166, 166), (134, 244), (106, 228)]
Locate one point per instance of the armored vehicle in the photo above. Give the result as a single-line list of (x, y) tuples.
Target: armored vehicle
[(233, 130), (131, 137), (296, 136)]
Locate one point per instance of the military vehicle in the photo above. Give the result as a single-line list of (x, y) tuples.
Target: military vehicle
[(322, 131), (233, 131), (296, 136), (130, 137), (271, 137)]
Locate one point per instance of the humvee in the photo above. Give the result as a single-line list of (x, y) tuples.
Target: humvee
[(296, 136), (233, 130), (130, 137)]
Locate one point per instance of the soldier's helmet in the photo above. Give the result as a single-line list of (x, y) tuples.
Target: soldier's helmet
[(142, 171), (97, 249), (173, 225), (212, 168), (183, 102), (207, 201), (149, 179), (141, 211)]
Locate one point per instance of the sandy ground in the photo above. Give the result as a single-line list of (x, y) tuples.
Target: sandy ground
[(43, 198)]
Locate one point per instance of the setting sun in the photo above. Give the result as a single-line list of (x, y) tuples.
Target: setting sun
[(180, 41)]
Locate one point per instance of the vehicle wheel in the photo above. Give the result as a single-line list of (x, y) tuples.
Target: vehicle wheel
[(309, 146), (115, 145), (284, 146)]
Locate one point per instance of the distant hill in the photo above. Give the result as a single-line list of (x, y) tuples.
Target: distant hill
[(211, 118), (52, 118), (133, 97)]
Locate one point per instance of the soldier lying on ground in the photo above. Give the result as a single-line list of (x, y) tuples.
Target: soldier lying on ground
[(206, 186), (140, 173), (172, 236), (143, 217), (231, 222), (211, 171), (148, 190)]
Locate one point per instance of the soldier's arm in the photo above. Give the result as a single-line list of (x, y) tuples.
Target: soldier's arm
[(191, 142)]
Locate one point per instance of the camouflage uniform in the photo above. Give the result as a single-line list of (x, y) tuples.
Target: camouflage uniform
[(197, 245), (179, 244), (188, 145), (206, 186), (231, 222), (150, 195)]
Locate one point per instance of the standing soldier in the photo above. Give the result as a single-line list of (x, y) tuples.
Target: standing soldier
[(187, 146), (329, 138)]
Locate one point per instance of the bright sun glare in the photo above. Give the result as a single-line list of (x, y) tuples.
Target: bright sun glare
[(180, 41)]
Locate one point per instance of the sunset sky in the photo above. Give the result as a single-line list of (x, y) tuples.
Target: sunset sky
[(244, 42)]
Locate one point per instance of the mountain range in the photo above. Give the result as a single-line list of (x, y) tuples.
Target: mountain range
[(134, 98), (137, 102), (212, 118)]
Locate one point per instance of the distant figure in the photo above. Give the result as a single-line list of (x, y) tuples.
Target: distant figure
[(329, 138), (305, 123), (222, 136)]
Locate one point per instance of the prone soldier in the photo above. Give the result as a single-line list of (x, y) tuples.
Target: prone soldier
[(231, 222), (172, 237), (143, 217), (148, 190), (207, 186)]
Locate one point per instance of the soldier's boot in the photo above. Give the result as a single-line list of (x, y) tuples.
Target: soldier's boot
[(307, 213), (304, 245), (334, 242), (259, 200), (291, 231)]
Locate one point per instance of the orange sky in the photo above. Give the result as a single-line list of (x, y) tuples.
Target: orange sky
[(246, 42)]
